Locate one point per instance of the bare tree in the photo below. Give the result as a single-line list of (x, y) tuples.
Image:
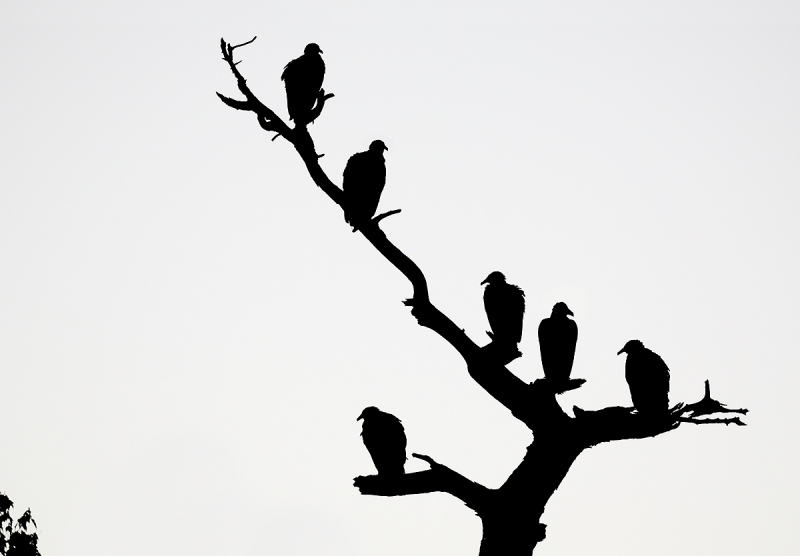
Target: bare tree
[(510, 514)]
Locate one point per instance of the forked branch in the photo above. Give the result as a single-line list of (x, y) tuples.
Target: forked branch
[(266, 117)]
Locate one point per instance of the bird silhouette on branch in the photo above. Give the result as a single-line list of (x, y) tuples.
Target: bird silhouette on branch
[(510, 513)]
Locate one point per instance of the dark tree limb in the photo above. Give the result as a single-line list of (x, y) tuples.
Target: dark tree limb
[(620, 423), (271, 121), (496, 379), (438, 478), (511, 512)]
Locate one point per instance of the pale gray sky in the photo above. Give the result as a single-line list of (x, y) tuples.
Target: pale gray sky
[(188, 329)]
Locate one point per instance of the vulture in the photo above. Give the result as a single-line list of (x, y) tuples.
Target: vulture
[(505, 307), (303, 79), (385, 439), (363, 182), (648, 378), (558, 335)]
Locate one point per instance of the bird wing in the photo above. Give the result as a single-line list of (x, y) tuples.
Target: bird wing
[(289, 70), (303, 78), (363, 181), (352, 187), (374, 180), (648, 379), (385, 440), (557, 340), (505, 308)]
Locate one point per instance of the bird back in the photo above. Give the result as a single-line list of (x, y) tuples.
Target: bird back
[(505, 309), (303, 78), (385, 440), (648, 379), (363, 181), (558, 337)]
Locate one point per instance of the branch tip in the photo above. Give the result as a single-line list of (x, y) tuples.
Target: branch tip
[(387, 214), (426, 459), (724, 421), (232, 48)]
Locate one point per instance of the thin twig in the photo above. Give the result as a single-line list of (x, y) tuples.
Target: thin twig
[(385, 215), (425, 458), (728, 421), (232, 48)]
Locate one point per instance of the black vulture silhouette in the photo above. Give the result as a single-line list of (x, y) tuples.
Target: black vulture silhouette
[(303, 79), (385, 439), (558, 335), (648, 378), (505, 307), (363, 182)]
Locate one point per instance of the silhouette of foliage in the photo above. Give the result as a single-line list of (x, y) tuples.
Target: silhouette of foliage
[(510, 513), (15, 536)]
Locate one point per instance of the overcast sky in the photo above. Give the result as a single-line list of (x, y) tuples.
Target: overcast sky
[(188, 329)]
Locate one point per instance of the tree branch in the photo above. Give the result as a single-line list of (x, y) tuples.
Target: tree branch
[(621, 423), (708, 406), (267, 118), (498, 381), (725, 420), (438, 478)]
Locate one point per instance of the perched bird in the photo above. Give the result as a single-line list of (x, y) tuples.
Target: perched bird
[(505, 307), (303, 79), (558, 335), (363, 182), (385, 439), (648, 378)]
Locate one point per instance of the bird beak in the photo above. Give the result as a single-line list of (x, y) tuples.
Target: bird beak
[(485, 282), (573, 314), (360, 417), (621, 351)]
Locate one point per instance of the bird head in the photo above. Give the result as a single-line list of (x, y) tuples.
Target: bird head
[(631, 346), (378, 146), (312, 48), (371, 410), (495, 278), (561, 308)]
